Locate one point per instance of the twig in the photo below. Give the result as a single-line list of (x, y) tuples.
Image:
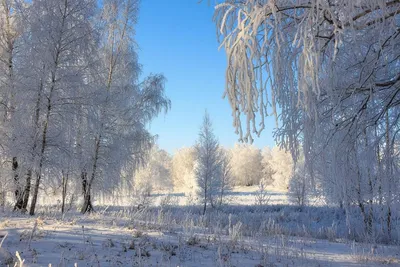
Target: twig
[(20, 262), (83, 234), (32, 233), (1, 243)]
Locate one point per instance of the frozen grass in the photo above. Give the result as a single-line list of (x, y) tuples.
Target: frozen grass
[(170, 234)]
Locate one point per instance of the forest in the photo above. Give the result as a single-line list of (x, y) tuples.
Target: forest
[(84, 181)]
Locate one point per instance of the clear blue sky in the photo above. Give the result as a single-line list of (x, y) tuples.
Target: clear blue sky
[(178, 39)]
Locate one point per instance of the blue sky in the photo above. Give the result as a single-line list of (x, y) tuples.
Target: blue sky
[(178, 39)]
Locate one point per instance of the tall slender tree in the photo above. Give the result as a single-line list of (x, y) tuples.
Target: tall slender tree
[(118, 125), (60, 33), (10, 23), (208, 170)]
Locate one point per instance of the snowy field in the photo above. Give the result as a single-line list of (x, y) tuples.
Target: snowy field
[(172, 233), (238, 196)]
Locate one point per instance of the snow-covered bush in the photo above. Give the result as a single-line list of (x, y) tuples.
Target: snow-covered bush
[(262, 197), (246, 164), (183, 165), (299, 187), (281, 164), (155, 173), (140, 197), (267, 168), (227, 179)]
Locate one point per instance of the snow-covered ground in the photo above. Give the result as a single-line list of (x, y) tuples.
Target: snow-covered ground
[(173, 235), (240, 195)]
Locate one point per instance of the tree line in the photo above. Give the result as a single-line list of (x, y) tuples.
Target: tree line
[(207, 171)]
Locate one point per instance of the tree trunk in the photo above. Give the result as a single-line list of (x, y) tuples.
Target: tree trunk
[(35, 195), (2, 197), (18, 191), (10, 37), (28, 181), (87, 199), (27, 190), (389, 178), (39, 176), (361, 203), (205, 199), (87, 203), (44, 144), (64, 191), (371, 192)]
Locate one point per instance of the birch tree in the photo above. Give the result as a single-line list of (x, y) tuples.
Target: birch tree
[(10, 23), (332, 68), (119, 124), (60, 35), (73, 109)]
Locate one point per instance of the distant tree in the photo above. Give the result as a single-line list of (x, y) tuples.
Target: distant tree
[(299, 186), (246, 164), (155, 173), (208, 170), (281, 164), (183, 162), (143, 183), (227, 179), (267, 168)]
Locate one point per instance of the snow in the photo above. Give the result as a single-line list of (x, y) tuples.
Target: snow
[(179, 236)]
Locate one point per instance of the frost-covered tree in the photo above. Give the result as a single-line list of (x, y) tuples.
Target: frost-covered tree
[(281, 164), (227, 179), (11, 31), (271, 43), (299, 186), (332, 67), (183, 164), (73, 110), (246, 164), (208, 171), (155, 172), (267, 168), (58, 38), (119, 122)]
